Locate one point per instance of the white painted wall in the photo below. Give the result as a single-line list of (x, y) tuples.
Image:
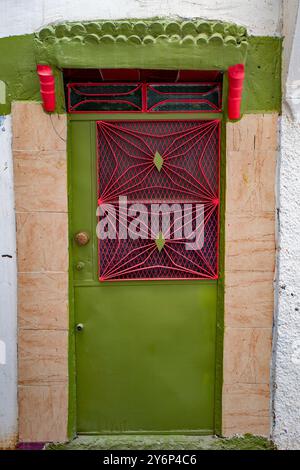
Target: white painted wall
[(8, 292), (286, 425), (292, 64), (286, 356), (262, 17), (289, 17)]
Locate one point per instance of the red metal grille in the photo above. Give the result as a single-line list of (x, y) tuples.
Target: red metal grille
[(163, 97), (104, 97), (143, 97), (186, 172)]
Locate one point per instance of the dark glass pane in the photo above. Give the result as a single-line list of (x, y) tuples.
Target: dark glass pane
[(183, 97), (105, 97), (128, 97)]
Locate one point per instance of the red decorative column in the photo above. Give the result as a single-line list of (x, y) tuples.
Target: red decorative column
[(47, 84), (236, 75)]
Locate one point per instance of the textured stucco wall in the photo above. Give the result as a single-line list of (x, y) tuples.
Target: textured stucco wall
[(289, 17), (286, 432), (262, 17), (8, 292), (286, 342)]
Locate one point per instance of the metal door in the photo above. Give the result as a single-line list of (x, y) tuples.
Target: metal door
[(145, 307)]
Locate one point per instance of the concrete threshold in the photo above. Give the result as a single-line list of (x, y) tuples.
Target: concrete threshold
[(164, 442)]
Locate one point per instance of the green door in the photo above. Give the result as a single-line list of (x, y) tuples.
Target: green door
[(145, 353)]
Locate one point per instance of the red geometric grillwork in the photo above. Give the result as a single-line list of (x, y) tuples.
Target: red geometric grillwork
[(143, 97), (156, 162)]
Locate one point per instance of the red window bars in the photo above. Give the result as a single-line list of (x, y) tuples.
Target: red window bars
[(144, 97), (156, 162)]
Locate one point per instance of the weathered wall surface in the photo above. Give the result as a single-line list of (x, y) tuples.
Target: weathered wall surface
[(40, 180), (262, 17), (286, 431), (249, 272), (8, 293), (286, 344)]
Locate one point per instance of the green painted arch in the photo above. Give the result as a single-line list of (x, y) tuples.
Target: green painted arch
[(157, 43), (145, 32)]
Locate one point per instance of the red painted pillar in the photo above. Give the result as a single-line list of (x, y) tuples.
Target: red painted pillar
[(47, 84), (236, 75)]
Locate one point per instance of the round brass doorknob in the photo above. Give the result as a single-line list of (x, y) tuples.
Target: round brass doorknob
[(82, 238)]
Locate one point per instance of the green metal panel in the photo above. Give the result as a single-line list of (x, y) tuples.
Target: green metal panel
[(146, 357)]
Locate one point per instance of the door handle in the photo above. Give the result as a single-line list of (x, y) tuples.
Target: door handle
[(81, 238)]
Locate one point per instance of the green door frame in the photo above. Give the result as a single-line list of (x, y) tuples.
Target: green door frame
[(218, 47), (220, 290)]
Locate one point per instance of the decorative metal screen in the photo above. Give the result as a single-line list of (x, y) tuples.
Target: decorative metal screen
[(183, 97), (144, 97), (104, 97), (156, 179)]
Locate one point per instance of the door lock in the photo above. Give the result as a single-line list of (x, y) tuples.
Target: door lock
[(81, 238), (79, 327), (79, 266)]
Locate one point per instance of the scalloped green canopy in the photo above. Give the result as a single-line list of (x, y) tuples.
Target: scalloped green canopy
[(154, 43), (146, 32)]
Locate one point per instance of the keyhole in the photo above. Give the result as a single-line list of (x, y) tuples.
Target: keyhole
[(79, 327)]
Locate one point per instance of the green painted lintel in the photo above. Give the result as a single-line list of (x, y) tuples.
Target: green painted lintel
[(143, 116), (156, 43)]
